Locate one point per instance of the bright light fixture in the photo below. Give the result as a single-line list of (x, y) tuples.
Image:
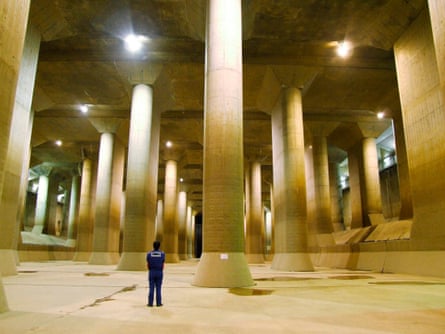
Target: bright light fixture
[(181, 180), (84, 108), (134, 43), (58, 142), (168, 143), (380, 114), (344, 49)]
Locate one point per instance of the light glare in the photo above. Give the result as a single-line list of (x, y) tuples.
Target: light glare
[(134, 43), (343, 49)]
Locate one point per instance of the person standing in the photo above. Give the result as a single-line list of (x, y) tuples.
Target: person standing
[(155, 266)]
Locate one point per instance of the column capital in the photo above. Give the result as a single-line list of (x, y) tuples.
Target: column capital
[(321, 129), (105, 125), (373, 129)]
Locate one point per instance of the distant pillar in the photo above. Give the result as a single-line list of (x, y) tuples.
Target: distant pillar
[(42, 203), (223, 263), (321, 180), (139, 224), (336, 217), (189, 231), (159, 220), (289, 185), (182, 224), (105, 249), (356, 220), (73, 213), (86, 214), (372, 205), (170, 224), (255, 224)]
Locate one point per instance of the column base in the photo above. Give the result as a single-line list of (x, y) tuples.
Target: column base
[(104, 258), (133, 261), (171, 258), (255, 258), (223, 270), (8, 262), (70, 243), (82, 256), (3, 302), (37, 229), (292, 262)]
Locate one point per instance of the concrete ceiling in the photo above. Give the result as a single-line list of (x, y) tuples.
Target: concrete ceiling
[(286, 42)]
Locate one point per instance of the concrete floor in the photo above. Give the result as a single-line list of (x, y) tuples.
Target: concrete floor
[(67, 297)]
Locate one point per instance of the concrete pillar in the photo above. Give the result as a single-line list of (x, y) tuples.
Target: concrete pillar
[(289, 185), (406, 204), (355, 196), (106, 222), (322, 212), (12, 199), (86, 213), (336, 216), (42, 202), (223, 263), (255, 223), (73, 214), (12, 26), (181, 217), (170, 224), (270, 226), (159, 220), (189, 231), (56, 216), (372, 200), (420, 62), (139, 224)]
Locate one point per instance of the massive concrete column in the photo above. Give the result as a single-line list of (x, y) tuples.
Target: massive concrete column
[(73, 214), (223, 263), (354, 188), (42, 201), (159, 220), (372, 200), (139, 225), (106, 223), (181, 212), (255, 224), (336, 216), (86, 213), (289, 185), (420, 63), (189, 231), (12, 26), (322, 195), (16, 166), (170, 224)]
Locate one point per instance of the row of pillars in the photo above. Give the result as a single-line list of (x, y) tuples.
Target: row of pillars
[(223, 262)]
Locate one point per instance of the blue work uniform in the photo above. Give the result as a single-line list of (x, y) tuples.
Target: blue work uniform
[(155, 264)]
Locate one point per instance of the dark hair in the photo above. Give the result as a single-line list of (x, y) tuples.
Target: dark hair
[(156, 245)]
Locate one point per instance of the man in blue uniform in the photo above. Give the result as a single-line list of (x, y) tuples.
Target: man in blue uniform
[(155, 266)]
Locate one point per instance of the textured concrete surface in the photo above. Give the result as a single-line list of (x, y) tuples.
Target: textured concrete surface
[(68, 297)]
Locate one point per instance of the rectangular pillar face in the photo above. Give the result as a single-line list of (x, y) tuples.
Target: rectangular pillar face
[(424, 120), (223, 130), (13, 28)]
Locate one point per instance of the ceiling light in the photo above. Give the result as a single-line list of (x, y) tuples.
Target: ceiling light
[(168, 143), (84, 108), (344, 49), (181, 180), (134, 43), (58, 142), (380, 114)]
